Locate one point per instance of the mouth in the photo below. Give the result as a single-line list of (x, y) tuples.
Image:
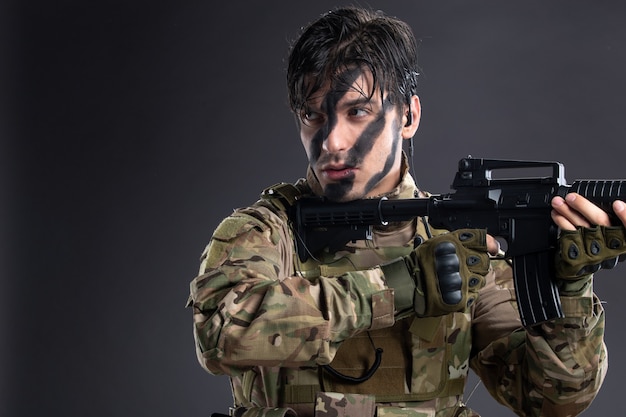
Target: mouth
[(338, 172)]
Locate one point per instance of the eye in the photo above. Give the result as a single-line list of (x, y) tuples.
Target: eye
[(312, 118), (358, 112)]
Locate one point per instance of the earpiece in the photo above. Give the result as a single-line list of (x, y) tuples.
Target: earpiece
[(409, 118), (409, 114)]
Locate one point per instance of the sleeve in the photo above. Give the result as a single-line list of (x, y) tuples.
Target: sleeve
[(555, 369), (249, 308)]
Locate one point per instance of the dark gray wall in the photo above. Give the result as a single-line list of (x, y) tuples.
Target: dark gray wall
[(130, 128)]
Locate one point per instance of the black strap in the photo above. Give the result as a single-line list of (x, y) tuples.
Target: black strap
[(367, 375)]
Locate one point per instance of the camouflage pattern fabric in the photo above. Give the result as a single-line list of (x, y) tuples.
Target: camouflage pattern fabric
[(555, 369), (269, 322), (432, 410), (332, 404)]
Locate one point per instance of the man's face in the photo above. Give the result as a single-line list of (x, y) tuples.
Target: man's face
[(353, 139)]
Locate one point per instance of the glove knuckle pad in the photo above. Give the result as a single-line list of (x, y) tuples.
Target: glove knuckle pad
[(452, 269), (447, 267), (586, 250)]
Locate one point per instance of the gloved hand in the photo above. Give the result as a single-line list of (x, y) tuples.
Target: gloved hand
[(585, 250), (442, 275)]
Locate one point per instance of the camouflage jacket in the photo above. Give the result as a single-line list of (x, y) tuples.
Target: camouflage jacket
[(272, 323)]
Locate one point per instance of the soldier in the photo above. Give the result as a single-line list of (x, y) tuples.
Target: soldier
[(372, 329)]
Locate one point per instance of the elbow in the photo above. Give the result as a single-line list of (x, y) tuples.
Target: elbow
[(210, 339), (225, 347), (571, 396), (213, 361)]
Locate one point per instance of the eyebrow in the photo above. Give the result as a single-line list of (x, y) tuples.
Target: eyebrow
[(361, 100), (347, 103)]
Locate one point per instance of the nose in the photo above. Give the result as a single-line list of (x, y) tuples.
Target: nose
[(337, 139)]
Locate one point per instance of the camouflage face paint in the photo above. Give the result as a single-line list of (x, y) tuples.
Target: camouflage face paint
[(356, 155), (340, 87), (361, 146), (389, 162)]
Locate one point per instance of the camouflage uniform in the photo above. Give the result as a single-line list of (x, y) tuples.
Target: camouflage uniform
[(271, 323)]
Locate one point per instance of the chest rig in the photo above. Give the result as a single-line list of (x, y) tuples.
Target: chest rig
[(415, 360)]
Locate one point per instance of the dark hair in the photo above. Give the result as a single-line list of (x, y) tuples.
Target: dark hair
[(349, 37)]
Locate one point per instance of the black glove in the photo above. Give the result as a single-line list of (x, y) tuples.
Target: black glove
[(442, 275)]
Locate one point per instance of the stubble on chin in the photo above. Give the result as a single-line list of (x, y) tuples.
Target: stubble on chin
[(339, 191)]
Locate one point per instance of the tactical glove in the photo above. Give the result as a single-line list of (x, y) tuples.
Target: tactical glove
[(585, 250), (441, 276)]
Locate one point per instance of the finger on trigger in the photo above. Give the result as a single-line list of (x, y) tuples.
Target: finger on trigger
[(493, 246)]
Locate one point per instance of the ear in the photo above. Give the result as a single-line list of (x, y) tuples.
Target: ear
[(411, 118)]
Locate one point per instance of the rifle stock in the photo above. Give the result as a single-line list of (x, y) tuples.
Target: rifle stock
[(515, 210)]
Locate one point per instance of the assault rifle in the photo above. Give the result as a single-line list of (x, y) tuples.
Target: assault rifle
[(514, 210)]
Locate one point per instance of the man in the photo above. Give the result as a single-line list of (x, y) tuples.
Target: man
[(391, 325)]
